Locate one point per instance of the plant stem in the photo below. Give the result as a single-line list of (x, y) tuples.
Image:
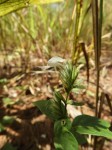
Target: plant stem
[(66, 102), (77, 31), (97, 30), (96, 47)]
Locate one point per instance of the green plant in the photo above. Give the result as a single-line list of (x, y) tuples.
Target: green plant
[(6, 120), (8, 146), (69, 134), (13, 5)]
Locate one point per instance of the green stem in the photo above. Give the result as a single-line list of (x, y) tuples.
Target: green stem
[(67, 96), (97, 29), (76, 32), (97, 48)]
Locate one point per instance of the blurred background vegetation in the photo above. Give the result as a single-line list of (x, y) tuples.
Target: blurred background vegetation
[(45, 30)]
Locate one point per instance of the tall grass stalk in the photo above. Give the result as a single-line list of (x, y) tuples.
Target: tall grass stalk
[(76, 32), (96, 46), (81, 8), (97, 30), (32, 22)]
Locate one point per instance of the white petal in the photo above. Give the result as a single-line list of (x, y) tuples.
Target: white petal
[(55, 61)]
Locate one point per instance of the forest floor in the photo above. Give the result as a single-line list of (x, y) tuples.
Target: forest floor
[(30, 129)]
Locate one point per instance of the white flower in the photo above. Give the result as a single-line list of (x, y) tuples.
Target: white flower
[(72, 111), (56, 61)]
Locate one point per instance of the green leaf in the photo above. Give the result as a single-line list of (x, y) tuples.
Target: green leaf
[(59, 97), (7, 6), (38, 2), (80, 138), (68, 76), (86, 120), (8, 147), (78, 103), (97, 131), (76, 90), (59, 103), (1, 127), (64, 139), (71, 102), (3, 81), (7, 120), (45, 107), (8, 101), (78, 86), (62, 123), (54, 108), (85, 124)]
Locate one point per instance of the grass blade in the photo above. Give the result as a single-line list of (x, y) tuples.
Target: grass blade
[(8, 6), (96, 47), (97, 30), (81, 8), (82, 44), (76, 32)]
